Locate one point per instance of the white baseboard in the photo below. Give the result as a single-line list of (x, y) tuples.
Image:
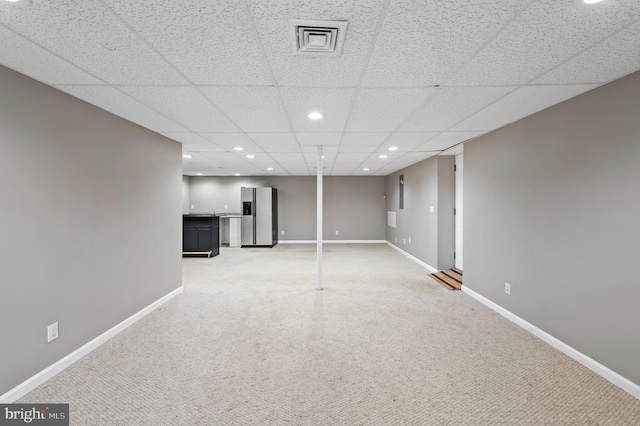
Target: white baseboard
[(610, 375), (41, 377), (415, 259), (332, 241)]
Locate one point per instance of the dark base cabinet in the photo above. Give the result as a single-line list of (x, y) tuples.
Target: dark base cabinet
[(200, 235)]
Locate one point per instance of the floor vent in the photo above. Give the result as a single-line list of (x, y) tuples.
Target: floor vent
[(317, 37)]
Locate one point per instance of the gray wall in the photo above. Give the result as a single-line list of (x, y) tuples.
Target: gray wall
[(552, 206), (446, 206), (353, 206), (89, 218), (186, 201), (428, 183)]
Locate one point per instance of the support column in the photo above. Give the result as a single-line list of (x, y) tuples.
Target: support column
[(319, 218)]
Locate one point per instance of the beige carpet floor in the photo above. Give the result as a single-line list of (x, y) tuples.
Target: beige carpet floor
[(251, 342)]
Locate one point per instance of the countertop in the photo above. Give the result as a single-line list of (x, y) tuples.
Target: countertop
[(213, 214)]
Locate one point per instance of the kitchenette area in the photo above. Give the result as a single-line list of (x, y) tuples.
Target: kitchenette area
[(255, 226), (230, 229)]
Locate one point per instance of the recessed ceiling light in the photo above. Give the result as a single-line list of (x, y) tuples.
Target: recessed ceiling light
[(199, 174), (237, 174), (269, 168), (20, 3), (316, 115), (187, 156), (251, 156), (383, 155), (366, 169), (238, 148), (393, 148), (586, 3)]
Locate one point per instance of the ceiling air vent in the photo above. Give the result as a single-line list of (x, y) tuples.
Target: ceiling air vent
[(317, 37)]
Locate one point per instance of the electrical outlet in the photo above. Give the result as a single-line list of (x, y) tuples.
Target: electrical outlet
[(396, 239), (192, 207), (507, 288), (404, 241), (52, 332), (282, 232), (337, 233), (226, 206), (409, 240)]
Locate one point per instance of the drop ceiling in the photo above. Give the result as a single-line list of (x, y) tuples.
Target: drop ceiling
[(424, 76)]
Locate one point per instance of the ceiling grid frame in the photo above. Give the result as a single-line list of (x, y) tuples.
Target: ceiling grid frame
[(617, 25)]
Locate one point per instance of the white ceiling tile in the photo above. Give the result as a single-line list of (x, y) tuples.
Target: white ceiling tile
[(519, 104), (229, 141), (287, 158), (346, 166), (396, 165), (191, 170), (546, 34), (185, 105), (314, 149), (296, 169), (422, 43), (384, 109), (414, 157), (222, 157), (312, 157), (391, 168), (201, 73), (616, 56), (245, 168), (258, 158), (91, 36), (447, 139), (275, 171), (270, 18), (333, 103), (406, 142), (276, 142), (193, 142), (32, 60), (195, 160), (294, 166), (450, 105), (381, 162), (362, 142), (345, 169), (195, 36), (351, 157), (316, 139), (118, 103), (252, 109)]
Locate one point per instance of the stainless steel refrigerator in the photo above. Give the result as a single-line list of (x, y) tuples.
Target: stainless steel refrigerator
[(259, 223)]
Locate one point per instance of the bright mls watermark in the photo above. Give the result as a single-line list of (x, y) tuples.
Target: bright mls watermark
[(34, 414)]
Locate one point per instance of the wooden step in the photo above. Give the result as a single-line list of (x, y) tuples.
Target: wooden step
[(450, 279)]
